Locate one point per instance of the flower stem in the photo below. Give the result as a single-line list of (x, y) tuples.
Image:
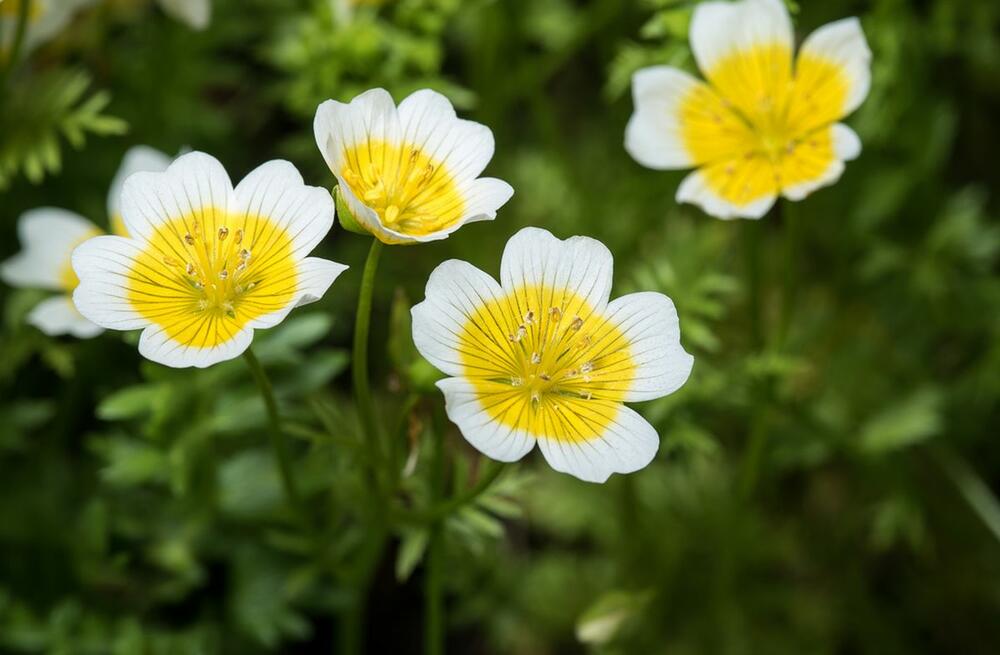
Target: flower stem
[(279, 443), (433, 588), (359, 364), (20, 29), (354, 618)]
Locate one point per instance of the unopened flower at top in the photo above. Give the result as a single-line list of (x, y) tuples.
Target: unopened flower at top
[(759, 127), (205, 264), (408, 174), (544, 357), (49, 235)]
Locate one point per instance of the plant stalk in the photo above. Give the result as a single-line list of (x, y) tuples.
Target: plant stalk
[(279, 442)]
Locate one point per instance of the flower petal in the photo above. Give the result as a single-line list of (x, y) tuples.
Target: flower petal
[(819, 161), (196, 14), (745, 50), (832, 74), (195, 185), (338, 126), (654, 134), (48, 237), (680, 122), (494, 438), (313, 278), (460, 146), (579, 265), (745, 187), (648, 322), (276, 190), (455, 293), (627, 443), (105, 266), (138, 159), (57, 316), (156, 345)]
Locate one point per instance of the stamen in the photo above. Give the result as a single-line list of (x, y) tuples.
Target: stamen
[(587, 367), (545, 376), (516, 382), (190, 269), (223, 274), (223, 233), (555, 314), (238, 238), (536, 358), (529, 317), (576, 324), (189, 239)]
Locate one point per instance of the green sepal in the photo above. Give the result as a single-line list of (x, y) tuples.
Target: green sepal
[(344, 215)]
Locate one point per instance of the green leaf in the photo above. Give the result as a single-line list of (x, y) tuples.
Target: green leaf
[(914, 419), (411, 552)]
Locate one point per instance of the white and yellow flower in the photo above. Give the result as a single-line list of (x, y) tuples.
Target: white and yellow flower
[(544, 357), (46, 19), (759, 127), (205, 264), (410, 174), (49, 237)]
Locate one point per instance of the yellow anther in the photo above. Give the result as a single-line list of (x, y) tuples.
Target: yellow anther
[(223, 233)]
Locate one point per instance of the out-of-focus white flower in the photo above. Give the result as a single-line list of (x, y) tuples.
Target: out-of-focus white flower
[(47, 18), (545, 357), (48, 237), (205, 263), (196, 14), (759, 127)]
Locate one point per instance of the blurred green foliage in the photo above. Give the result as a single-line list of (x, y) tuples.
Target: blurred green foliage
[(826, 479)]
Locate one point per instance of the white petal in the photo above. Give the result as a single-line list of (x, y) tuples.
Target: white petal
[(695, 190), (275, 190), (653, 136), (486, 434), (627, 444), (138, 159), (156, 346), (315, 276), (339, 126), (195, 14), (57, 316), (462, 147), (719, 29), (846, 144), (846, 147), (651, 328), (843, 43), (104, 265), (48, 236), (455, 291), (193, 184), (581, 265)]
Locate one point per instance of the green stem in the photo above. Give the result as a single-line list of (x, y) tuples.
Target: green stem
[(433, 588), (455, 503), (23, 13), (279, 443), (752, 258), (791, 276), (353, 621), (359, 365), (975, 492)]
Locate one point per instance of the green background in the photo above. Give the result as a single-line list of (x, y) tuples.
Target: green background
[(825, 481)]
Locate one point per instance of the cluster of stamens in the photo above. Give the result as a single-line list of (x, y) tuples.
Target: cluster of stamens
[(549, 356), (397, 195), (215, 269)]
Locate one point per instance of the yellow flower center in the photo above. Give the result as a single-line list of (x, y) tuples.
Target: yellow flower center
[(411, 192), (758, 129), (543, 361), (204, 277)]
